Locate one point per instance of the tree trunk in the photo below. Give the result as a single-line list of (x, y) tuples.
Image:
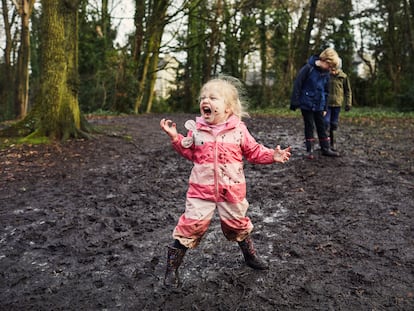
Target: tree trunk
[(57, 107), (143, 75), (106, 25), (393, 47), (196, 46), (214, 42), (139, 28), (309, 27), (155, 26), (25, 9), (7, 92), (410, 25), (263, 52), (152, 76)]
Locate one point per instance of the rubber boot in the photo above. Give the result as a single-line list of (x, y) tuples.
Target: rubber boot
[(309, 148), (250, 256), (332, 139), (326, 150), (174, 259)]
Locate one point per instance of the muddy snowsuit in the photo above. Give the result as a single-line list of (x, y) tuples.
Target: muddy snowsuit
[(217, 180)]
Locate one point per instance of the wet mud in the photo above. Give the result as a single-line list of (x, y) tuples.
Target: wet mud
[(84, 225)]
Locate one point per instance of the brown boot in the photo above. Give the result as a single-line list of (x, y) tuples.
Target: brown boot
[(174, 259), (332, 140), (250, 255)]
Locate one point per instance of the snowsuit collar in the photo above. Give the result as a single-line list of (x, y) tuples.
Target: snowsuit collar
[(231, 122)]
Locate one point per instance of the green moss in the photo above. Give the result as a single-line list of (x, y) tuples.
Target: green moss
[(34, 140), (127, 138), (7, 142)]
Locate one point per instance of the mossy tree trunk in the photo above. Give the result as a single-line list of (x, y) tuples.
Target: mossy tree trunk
[(56, 111), (149, 94), (156, 22)]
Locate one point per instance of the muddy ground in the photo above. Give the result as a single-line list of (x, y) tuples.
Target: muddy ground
[(84, 225)]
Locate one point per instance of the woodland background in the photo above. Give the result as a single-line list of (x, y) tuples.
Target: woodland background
[(60, 59), (84, 223)]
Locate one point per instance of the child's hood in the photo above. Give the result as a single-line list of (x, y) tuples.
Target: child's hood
[(312, 60)]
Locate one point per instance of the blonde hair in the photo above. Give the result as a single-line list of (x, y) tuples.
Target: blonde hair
[(330, 56), (233, 93)]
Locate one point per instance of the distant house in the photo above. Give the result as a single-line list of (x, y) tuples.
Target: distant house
[(166, 76), (363, 68)]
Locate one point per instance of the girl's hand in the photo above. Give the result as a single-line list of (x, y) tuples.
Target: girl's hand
[(280, 155), (170, 128)]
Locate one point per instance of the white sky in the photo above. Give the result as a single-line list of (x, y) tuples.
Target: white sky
[(122, 13)]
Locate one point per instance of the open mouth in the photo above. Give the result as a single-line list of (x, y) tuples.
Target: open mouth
[(206, 110)]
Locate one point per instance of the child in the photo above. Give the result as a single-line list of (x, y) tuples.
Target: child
[(309, 94), (216, 143), (339, 93)]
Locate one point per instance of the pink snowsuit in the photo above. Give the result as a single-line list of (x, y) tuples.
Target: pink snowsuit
[(217, 180)]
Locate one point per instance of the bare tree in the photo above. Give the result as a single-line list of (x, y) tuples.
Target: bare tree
[(25, 9), (312, 13), (156, 21), (6, 92)]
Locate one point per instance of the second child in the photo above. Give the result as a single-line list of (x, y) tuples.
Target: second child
[(340, 94), (310, 91)]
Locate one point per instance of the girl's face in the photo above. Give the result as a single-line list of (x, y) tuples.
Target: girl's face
[(213, 107)]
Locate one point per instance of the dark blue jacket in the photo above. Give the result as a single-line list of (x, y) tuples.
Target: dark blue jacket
[(310, 90)]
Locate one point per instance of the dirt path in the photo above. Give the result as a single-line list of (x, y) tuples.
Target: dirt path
[(84, 225)]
